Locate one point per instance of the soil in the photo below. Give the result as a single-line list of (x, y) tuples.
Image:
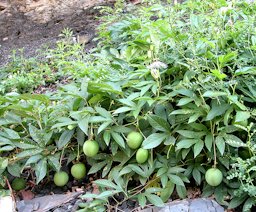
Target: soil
[(17, 32)]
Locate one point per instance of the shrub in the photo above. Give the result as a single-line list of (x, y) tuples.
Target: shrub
[(184, 80)]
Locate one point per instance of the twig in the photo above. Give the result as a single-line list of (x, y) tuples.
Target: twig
[(11, 191)]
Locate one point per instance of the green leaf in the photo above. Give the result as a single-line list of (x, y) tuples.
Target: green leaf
[(80, 136), (176, 179), (65, 138), (198, 148), (154, 140), (154, 199), (105, 194), (197, 176), (11, 133), (3, 163), (107, 168), (103, 126), (40, 170), (191, 134), (137, 169), (33, 159), (106, 184), (234, 141), (97, 166), (118, 139), (214, 94), (14, 169), (36, 134), (122, 110), (208, 141), (29, 153), (217, 110), (54, 161), (245, 70), (142, 200), (236, 201), (106, 137), (103, 112), (242, 116), (83, 124), (39, 97), (182, 111), (184, 101), (167, 191), (158, 123), (220, 143), (186, 143), (181, 190), (249, 203)]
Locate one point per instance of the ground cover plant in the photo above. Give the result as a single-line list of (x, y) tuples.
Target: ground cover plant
[(166, 101)]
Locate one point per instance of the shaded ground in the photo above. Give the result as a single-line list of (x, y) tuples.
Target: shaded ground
[(17, 32)]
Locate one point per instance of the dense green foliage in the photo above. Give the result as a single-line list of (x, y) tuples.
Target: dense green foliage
[(182, 76)]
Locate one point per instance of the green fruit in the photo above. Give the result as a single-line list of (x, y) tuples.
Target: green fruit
[(134, 140), (78, 171), (60, 178), (90, 148), (18, 184), (213, 176), (141, 155)]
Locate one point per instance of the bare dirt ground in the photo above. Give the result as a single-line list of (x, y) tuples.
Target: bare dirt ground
[(17, 32)]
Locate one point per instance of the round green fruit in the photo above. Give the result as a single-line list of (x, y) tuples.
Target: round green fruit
[(78, 171), (18, 184), (90, 148), (213, 176), (141, 155), (60, 178), (134, 140)]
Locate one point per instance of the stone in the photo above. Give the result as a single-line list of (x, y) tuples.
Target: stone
[(46, 203), (7, 204), (188, 205)]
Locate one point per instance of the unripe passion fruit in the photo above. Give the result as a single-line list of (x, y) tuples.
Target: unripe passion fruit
[(60, 178), (134, 140), (213, 176), (18, 184), (141, 155), (90, 148), (78, 171)]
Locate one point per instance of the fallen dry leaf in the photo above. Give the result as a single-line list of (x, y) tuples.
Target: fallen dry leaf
[(95, 189), (26, 195)]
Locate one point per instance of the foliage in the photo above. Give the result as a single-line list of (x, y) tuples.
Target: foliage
[(183, 76), (244, 169)]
